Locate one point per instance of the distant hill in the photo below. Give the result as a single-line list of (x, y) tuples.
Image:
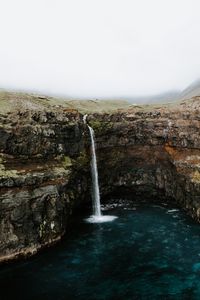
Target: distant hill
[(160, 98), (191, 91), (13, 101)]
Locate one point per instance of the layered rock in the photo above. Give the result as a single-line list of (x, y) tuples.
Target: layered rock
[(143, 152), (41, 154), (151, 152)]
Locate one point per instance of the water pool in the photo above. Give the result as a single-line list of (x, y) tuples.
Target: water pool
[(148, 252)]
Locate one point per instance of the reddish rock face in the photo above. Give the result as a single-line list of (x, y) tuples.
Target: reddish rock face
[(143, 152), (151, 152)]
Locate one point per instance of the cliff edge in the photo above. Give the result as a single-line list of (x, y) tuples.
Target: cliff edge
[(143, 151)]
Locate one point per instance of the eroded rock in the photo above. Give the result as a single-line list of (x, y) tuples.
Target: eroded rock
[(143, 152)]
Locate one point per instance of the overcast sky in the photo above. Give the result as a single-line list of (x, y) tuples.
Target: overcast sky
[(99, 48)]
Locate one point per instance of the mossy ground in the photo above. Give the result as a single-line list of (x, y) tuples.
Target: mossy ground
[(196, 177), (12, 101), (100, 126)]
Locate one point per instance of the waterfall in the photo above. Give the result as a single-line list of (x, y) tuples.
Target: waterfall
[(95, 181), (97, 217)]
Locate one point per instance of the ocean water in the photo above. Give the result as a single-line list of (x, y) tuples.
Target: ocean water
[(148, 252)]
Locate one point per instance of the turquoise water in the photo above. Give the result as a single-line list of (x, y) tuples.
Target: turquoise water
[(148, 252)]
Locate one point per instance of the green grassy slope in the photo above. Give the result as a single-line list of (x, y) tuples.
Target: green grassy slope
[(12, 101)]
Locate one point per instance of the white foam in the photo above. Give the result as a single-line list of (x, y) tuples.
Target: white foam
[(100, 219)]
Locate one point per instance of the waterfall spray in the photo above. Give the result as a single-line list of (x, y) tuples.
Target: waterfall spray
[(95, 180), (97, 216)]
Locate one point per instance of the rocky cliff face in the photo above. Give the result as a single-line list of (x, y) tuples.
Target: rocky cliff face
[(151, 152), (41, 154)]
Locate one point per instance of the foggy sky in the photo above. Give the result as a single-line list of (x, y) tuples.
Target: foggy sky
[(99, 48)]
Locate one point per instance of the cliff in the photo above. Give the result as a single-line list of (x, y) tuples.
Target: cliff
[(41, 153), (151, 152), (142, 151)]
